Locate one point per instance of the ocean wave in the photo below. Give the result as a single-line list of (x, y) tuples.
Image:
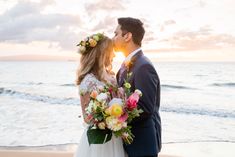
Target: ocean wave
[(72, 146), (176, 87), (200, 75), (68, 85), (47, 147), (39, 98), (203, 112), (199, 141), (229, 84), (35, 83)]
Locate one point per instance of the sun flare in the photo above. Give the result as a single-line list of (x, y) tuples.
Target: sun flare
[(119, 57)]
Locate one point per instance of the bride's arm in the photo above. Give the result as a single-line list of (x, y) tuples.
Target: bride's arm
[(85, 99)]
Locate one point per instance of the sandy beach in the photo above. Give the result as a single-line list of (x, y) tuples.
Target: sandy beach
[(24, 153), (201, 149), (66, 150)]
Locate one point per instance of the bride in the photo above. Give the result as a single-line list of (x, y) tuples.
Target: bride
[(94, 72)]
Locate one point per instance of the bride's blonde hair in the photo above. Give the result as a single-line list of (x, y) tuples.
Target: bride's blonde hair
[(96, 60)]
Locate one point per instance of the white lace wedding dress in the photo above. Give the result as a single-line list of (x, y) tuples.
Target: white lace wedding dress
[(113, 148)]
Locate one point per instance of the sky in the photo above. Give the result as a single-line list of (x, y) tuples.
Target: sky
[(176, 30)]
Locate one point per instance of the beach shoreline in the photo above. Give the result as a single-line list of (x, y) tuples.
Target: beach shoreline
[(24, 153), (197, 149), (64, 150)]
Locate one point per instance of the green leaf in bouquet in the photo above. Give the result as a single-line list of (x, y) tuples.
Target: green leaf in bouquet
[(97, 136), (99, 116), (133, 114)]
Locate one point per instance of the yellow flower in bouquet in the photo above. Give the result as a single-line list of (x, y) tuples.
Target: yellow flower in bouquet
[(115, 107), (116, 110)]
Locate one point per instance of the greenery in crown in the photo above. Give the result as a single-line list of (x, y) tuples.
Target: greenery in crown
[(89, 42)]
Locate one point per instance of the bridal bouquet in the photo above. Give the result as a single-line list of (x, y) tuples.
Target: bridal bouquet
[(109, 112)]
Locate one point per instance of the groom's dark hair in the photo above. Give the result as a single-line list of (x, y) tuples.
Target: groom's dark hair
[(135, 26)]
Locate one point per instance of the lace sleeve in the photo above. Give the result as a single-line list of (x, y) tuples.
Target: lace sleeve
[(88, 84)]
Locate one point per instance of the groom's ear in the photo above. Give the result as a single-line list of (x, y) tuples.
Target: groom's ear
[(128, 36)]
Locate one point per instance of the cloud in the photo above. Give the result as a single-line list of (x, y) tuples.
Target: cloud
[(202, 3), (167, 23), (102, 13), (193, 5), (107, 24), (25, 23), (104, 5), (201, 39)]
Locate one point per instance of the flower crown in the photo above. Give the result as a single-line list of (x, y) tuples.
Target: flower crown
[(89, 43)]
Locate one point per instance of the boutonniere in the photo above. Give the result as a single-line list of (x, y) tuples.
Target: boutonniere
[(128, 65)]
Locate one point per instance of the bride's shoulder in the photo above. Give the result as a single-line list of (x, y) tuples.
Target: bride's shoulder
[(88, 84), (88, 78)]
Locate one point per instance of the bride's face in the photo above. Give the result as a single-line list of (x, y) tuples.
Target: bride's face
[(109, 57)]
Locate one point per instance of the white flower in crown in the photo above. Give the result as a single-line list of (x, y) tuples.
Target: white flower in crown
[(82, 49)]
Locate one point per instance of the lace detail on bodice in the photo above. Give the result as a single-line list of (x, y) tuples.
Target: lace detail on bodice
[(90, 83)]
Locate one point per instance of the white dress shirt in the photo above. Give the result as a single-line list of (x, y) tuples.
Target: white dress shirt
[(128, 58)]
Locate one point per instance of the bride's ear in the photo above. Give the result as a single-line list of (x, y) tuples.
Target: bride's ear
[(128, 36)]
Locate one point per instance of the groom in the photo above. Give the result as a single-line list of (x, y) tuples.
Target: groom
[(146, 128)]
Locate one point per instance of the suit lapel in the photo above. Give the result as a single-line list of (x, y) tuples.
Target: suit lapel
[(130, 68), (123, 77)]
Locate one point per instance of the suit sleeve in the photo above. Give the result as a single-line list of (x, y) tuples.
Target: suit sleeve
[(146, 80)]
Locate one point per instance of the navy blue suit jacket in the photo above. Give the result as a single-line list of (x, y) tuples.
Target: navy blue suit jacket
[(147, 127)]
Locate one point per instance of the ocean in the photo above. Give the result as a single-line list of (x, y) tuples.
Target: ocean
[(39, 103)]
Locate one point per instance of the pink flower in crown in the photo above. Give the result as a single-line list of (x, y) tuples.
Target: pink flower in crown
[(133, 100)]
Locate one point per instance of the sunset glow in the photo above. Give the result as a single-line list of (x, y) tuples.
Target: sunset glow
[(184, 30), (119, 57)]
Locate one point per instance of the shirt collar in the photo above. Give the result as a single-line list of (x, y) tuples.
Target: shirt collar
[(128, 58)]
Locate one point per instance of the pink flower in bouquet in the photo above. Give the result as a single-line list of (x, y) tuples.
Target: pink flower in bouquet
[(133, 100), (123, 118), (110, 90), (89, 118)]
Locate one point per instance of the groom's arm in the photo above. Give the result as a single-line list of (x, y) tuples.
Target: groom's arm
[(146, 80)]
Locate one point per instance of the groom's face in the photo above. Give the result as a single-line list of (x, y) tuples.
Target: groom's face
[(119, 40)]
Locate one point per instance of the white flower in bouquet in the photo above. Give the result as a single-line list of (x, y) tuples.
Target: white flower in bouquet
[(102, 97), (113, 123), (90, 107), (124, 124), (101, 125), (116, 101), (100, 87), (138, 92)]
